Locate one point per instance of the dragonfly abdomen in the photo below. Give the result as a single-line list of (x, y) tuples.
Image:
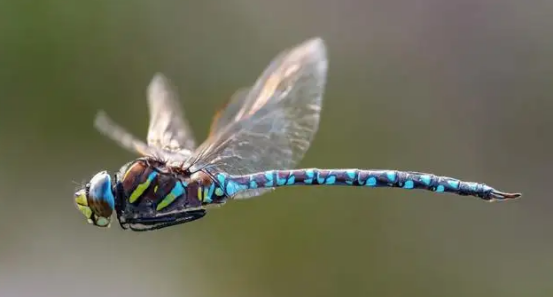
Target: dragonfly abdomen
[(368, 178)]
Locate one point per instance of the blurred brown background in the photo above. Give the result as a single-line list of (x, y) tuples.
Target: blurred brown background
[(457, 88)]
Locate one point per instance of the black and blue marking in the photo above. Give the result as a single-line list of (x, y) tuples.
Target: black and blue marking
[(356, 177)]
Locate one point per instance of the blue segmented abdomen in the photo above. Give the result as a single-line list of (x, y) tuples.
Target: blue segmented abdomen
[(367, 178)]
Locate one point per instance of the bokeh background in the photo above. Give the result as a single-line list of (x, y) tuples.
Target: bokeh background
[(458, 88)]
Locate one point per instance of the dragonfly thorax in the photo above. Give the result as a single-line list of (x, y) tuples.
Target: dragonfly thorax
[(151, 193)]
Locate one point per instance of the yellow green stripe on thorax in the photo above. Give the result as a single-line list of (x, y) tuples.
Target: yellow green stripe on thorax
[(177, 191), (141, 188)]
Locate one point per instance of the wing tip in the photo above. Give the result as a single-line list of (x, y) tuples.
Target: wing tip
[(100, 117), (315, 41), (159, 86), (314, 46), (159, 79)]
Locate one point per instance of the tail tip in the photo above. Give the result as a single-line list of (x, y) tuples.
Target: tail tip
[(500, 196)]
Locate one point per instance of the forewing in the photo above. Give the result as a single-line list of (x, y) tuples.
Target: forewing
[(168, 128), (228, 113), (114, 131), (277, 120)]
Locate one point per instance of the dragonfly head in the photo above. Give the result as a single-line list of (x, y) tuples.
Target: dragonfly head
[(96, 200)]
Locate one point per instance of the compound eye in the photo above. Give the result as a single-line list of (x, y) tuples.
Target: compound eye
[(100, 196), (96, 200)]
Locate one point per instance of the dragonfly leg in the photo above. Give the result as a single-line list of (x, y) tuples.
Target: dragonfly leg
[(156, 223)]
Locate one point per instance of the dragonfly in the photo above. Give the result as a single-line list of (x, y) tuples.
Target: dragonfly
[(253, 146)]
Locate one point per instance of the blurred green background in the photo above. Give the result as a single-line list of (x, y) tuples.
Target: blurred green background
[(457, 88)]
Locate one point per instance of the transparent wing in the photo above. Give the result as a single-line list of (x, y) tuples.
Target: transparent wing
[(168, 128), (272, 125), (125, 139), (228, 113), (114, 131)]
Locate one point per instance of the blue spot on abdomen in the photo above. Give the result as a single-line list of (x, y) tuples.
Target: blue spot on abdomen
[(310, 177), (371, 181), (269, 178), (231, 188), (391, 175), (331, 180), (351, 174), (281, 181), (409, 184), (426, 179), (454, 183), (291, 180)]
